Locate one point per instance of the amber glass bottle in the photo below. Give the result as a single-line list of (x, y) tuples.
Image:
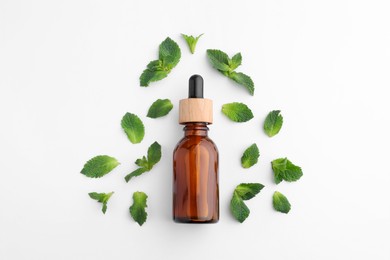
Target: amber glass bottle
[(195, 161)]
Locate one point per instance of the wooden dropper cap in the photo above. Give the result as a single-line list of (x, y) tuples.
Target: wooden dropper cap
[(195, 108)]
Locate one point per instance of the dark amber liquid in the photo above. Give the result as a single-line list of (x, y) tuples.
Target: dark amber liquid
[(195, 177)]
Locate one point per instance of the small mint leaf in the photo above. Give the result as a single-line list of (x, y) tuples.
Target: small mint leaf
[(191, 41), (151, 75), (159, 108), (280, 202), (99, 166), (246, 191), (218, 59), (154, 154), (250, 156), (243, 80), (133, 127), (169, 53), (239, 210), (235, 61), (237, 112), (273, 123)]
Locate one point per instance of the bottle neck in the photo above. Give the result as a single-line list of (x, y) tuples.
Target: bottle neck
[(198, 129)]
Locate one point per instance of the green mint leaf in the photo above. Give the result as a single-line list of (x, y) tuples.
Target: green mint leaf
[(133, 127), (135, 173), (285, 170), (243, 191), (169, 53), (146, 164), (237, 112), (246, 191), (250, 156), (95, 195), (219, 60), (243, 80), (159, 108), (99, 166), (169, 56), (104, 208), (191, 41), (273, 123), (238, 208), (235, 61), (280, 202), (102, 198), (278, 177), (150, 75), (292, 172), (154, 154), (137, 210)]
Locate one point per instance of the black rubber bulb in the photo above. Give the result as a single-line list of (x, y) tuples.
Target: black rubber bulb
[(195, 87)]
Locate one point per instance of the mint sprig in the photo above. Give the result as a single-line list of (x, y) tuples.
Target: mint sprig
[(243, 191), (168, 57), (237, 112), (137, 209), (102, 198), (191, 41), (146, 163), (221, 61), (99, 166), (285, 170)]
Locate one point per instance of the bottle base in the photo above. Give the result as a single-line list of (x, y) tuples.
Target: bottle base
[(195, 221)]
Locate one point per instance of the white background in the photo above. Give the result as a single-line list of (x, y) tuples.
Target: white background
[(69, 71)]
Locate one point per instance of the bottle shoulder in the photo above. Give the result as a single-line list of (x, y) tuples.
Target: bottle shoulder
[(212, 142), (189, 141)]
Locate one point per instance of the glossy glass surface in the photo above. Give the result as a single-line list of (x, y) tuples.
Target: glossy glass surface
[(195, 177)]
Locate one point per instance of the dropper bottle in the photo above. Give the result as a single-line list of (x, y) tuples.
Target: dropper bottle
[(195, 161)]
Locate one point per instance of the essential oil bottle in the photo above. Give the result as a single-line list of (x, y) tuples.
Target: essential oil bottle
[(195, 161)]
